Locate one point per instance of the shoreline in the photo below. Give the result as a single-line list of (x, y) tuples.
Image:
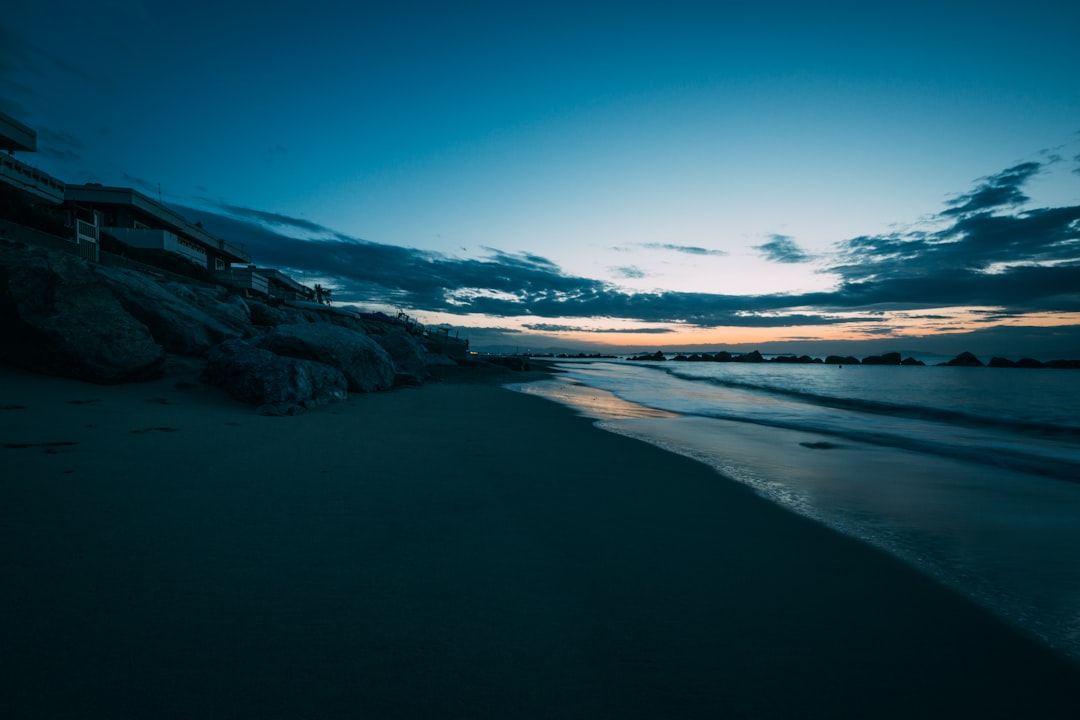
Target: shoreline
[(453, 550)]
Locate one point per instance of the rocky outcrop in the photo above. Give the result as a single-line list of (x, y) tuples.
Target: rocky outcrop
[(841, 360), (57, 318), (965, 359), (365, 365), (750, 357), (656, 356), (278, 385), (171, 314), (890, 358), (409, 356), (226, 307)]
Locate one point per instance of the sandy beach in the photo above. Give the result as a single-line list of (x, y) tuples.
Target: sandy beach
[(455, 550)]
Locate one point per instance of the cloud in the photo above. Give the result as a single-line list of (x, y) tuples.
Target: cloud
[(146, 185), (782, 249), (995, 191), (1015, 262), (274, 219), (548, 327), (686, 249), (1076, 159), (629, 272)]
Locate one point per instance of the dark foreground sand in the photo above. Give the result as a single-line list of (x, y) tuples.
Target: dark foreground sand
[(452, 551)]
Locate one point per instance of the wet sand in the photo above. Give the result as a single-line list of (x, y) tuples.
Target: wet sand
[(451, 551)]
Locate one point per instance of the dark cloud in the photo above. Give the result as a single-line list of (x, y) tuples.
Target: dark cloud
[(1018, 262), (782, 249), (629, 272), (548, 327), (995, 191), (59, 139), (275, 219), (687, 249), (142, 184)]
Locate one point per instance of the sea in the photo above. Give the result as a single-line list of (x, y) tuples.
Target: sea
[(970, 474)]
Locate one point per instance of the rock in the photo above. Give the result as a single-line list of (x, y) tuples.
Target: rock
[(891, 358), (364, 363), (279, 385), (965, 359), (437, 360), (1029, 363), (228, 308), (913, 362), (58, 318), (1000, 362), (174, 321), (268, 315), (408, 354), (658, 355), (750, 357)]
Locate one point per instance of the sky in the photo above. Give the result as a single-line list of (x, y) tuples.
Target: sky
[(639, 175)]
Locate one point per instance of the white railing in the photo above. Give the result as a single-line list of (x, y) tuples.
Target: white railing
[(86, 231)]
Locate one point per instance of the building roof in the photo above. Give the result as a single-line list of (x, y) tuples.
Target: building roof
[(16, 136), (101, 195)]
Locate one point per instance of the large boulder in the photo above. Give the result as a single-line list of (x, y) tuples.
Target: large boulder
[(408, 354), (58, 318), (278, 385), (174, 320), (225, 306), (363, 362)]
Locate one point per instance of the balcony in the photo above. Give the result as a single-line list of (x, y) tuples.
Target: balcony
[(38, 185)]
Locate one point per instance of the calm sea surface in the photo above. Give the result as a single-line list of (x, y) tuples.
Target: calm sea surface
[(970, 474)]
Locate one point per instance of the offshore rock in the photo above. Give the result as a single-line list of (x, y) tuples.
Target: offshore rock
[(175, 322), (279, 385), (57, 318), (365, 365), (965, 359), (750, 357), (658, 355), (890, 358)]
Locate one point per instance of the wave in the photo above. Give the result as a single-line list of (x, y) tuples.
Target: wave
[(913, 412)]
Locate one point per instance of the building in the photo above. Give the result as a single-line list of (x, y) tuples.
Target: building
[(138, 221), (34, 185)]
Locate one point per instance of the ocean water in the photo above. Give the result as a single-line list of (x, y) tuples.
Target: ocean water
[(972, 475)]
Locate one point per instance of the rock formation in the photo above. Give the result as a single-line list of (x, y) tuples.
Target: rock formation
[(362, 361), (168, 311), (965, 359), (57, 318), (278, 385)]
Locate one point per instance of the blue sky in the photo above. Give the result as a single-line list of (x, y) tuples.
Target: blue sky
[(647, 174)]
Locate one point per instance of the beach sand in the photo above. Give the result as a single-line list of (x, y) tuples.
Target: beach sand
[(456, 550)]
